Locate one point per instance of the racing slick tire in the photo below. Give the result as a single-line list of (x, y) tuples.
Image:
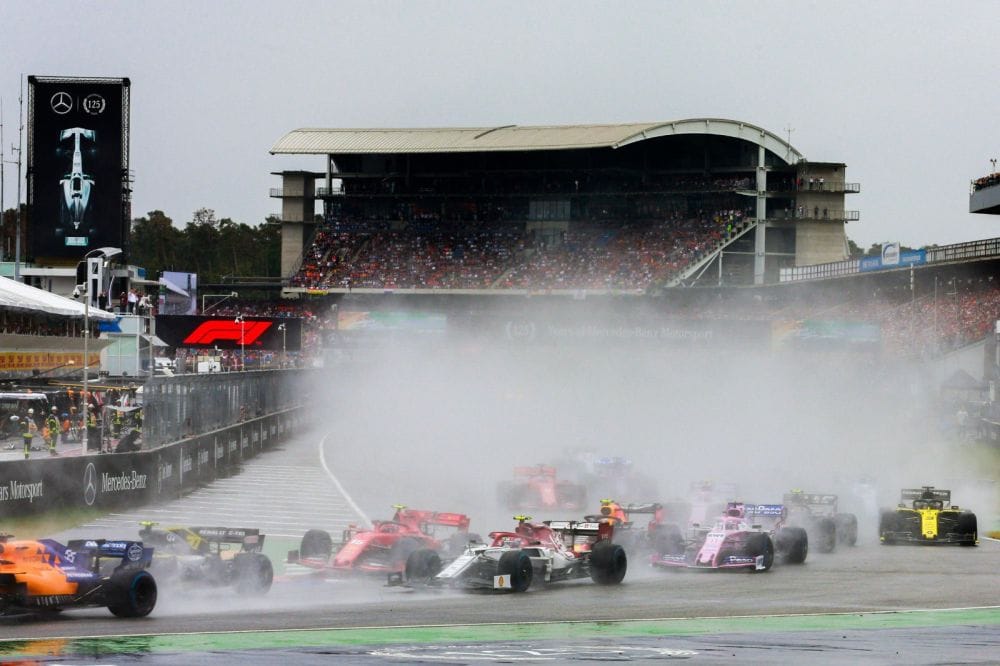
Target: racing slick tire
[(254, 573), (608, 563), (421, 566), (847, 528), (316, 544), (825, 530), (760, 545), (132, 593), (669, 541), (968, 527), (887, 524), (792, 544), (457, 542), (516, 565)]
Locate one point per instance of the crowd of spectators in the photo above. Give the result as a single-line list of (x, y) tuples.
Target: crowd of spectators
[(986, 181), (13, 322), (600, 252)]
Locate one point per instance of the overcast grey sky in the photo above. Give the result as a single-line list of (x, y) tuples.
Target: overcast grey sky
[(905, 93)]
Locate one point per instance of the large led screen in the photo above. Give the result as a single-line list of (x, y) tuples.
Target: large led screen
[(77, 165)]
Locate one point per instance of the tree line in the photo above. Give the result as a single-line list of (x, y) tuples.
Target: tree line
[(212, 248)]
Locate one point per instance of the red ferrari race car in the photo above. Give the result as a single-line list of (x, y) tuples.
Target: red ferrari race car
[(383, 549), (534, 552), (46, 576), (537, 488), (746, 536)]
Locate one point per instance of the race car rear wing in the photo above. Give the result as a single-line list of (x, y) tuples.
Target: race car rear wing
[(130, 552), (573, 528), (250, 538), (419, 519), (537, 470), (927, 492), (646, 507), (823, 499)]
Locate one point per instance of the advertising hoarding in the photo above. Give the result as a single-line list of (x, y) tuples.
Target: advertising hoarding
[(78, 185), (253, 333)]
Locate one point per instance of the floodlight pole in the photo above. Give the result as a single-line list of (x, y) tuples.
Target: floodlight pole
[(281, 327), (20, 132), (107, 253), (243, 347)]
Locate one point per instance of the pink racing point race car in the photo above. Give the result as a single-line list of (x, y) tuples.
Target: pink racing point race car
[(384, 548), (746, 537)]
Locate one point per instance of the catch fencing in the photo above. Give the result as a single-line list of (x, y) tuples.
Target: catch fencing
[(183, 405), (121, 480)]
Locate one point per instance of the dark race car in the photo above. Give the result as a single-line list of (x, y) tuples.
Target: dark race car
[(929, 518), (210, 556), (817, 514), (638, 527), (534, 553), (538, 488), (385, 547), (747, 536), (47, 576)]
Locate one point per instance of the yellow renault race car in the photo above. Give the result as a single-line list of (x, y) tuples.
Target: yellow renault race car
[(927, 516), (210, 557)]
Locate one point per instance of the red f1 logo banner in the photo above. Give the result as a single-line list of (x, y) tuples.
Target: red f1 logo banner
[(270, 333), (216, 330)]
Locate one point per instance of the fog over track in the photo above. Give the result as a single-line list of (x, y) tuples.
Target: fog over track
[(440, 430)]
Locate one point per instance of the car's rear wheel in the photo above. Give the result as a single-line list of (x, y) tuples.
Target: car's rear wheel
[(608, 563), (792, 544), (516, 566), (847, 528), (254, 573), (888, 524), (826, 535), (316, 544), (132, 594), (968, 527), (668, 540)]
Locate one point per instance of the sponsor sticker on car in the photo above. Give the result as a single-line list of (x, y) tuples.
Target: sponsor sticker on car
[(501, 582)]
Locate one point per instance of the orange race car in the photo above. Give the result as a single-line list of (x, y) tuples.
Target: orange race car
[(44, 575)]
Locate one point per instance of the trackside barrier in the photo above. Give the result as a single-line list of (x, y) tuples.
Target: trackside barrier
[(120, 480)]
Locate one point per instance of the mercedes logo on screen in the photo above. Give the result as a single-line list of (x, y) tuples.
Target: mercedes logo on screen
[(90, 484), (62, 103)]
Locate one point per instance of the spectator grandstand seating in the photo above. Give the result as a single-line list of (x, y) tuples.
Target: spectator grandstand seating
[(428, 252)]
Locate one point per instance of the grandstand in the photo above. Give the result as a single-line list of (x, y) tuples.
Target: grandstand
[(597, 209), (600, 212)]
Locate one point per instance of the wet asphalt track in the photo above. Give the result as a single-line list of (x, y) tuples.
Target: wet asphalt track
[(867, 578)]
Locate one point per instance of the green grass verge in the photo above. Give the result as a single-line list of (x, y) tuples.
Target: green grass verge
[(45, 525)]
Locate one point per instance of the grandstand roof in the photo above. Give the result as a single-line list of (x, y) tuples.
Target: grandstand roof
[(17, 296), (320, 141)]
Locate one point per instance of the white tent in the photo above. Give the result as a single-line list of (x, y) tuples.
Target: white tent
[(17, 296)]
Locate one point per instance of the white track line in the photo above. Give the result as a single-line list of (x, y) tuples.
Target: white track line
[(336, 482)]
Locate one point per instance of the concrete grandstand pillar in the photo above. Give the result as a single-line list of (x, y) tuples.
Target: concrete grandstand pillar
[(760, 233)]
